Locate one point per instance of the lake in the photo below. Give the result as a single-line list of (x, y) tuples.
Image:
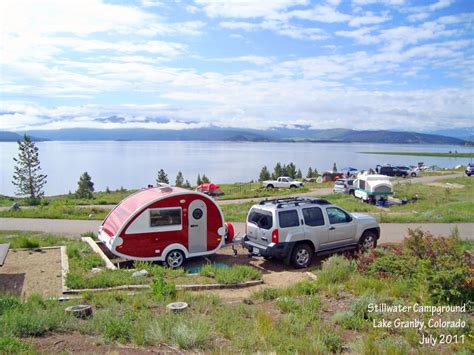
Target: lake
[(134, 164)]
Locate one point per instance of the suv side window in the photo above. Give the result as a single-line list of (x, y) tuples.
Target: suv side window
[(262, 220), (337, 215), (313, 216), (288, 219)]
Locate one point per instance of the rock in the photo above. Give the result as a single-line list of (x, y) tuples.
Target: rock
[(140, 273), (15, 207), (95, 270)]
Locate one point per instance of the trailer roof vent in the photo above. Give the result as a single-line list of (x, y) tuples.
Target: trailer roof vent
[(165, 187)]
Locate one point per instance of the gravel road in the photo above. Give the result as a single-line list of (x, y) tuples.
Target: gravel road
[(391, 232)]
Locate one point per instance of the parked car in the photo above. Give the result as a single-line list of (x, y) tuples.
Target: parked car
[(391, 171), (469, 169), (295, 229), (344, 186), (282, 182), (411, 170)]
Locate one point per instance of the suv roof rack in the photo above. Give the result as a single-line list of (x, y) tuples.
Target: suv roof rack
[(280, 202)]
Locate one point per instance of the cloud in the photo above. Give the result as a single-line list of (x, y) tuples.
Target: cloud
[(246, 8)]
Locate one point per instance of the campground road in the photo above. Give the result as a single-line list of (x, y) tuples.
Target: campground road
[(391, 232)]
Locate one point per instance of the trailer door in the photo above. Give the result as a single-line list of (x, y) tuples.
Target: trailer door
[(197, 226)]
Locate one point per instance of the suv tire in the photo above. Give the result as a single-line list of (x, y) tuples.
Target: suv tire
[(270, 186), (413, 174), (368, 241), (301, 256)]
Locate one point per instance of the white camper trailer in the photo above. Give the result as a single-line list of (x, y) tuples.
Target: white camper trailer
[(372, 188)]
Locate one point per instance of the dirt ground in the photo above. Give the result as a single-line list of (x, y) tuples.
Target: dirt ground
[(26, 272), (56, 343)]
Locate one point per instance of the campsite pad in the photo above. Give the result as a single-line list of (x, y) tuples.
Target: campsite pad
[(3, 253), (26, 272)]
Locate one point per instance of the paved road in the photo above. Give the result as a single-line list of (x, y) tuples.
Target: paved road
[(391, 232)]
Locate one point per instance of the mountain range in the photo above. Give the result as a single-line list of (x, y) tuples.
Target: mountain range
[(298, 134)]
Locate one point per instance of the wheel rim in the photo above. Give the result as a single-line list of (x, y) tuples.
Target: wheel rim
[(302, 256), (175, 259), (369, 242)]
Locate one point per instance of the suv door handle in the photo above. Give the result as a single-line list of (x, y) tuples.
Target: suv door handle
[(332, 228), (193, 225)]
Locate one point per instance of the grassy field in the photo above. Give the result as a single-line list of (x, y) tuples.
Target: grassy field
[(82, 260), (426, 154), (329, 315), (435, 204)]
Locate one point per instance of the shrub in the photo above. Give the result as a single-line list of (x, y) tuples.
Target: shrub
[(13, 346), (231, 275), (27, 243), (163, 290), (332, 342), (336, 269), (8, 303), (119, 329)]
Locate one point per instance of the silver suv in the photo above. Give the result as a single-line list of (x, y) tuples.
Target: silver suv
[(294, 229)]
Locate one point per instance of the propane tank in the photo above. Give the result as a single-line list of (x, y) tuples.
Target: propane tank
[(229, 234)]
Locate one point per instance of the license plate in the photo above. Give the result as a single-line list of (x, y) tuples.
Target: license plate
[(255, 251)]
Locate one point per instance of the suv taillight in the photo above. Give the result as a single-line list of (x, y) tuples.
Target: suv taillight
[(275, 236)]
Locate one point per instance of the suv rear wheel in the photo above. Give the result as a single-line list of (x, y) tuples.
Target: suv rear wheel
[(301, 256), (368, 240)]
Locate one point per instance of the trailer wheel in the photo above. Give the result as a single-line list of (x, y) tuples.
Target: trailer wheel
[(175, 259)]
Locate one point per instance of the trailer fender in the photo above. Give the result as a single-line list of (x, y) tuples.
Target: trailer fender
[(174, 247)]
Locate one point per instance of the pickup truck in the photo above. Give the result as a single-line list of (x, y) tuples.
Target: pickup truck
[(282, 182)]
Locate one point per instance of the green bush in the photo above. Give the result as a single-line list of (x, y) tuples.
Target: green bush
[(8, 303), (163, 290), (336, 269), (118, 329), (231, 275), (332, 342), (13, 346), (28, 243)]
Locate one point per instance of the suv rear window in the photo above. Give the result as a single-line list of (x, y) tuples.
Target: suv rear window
[(261, 219), (288, 219), (313, 216)]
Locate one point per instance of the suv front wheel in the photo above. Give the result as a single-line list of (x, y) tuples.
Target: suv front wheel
[(301, 256), (368, 241)]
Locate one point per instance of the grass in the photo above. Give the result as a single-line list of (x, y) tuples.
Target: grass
[(58, 211), (305, 317), (426, 154), (436, 204)]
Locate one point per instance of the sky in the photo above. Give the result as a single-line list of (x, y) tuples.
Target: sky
[(360, 64)]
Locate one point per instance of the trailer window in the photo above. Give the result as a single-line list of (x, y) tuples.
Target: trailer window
[(165, 217)]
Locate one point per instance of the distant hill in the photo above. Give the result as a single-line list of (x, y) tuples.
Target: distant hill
[(14, 137), (466, 133), (299, 134)]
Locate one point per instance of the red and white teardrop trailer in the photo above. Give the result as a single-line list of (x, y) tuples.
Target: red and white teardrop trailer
[(164, 223)]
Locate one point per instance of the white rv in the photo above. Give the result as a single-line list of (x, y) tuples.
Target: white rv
[(372, 188)]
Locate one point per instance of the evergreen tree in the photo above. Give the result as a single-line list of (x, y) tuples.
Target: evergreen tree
[(107, 190), (299, 175), (187, 185), (264, 174), (315, 173), (205, 179), (199, 181), (290, 170), (309, 174), (85, 186), (179, 179), (162, 177), (27, 177), (277, 171)]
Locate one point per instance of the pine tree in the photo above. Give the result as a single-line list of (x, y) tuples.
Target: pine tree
[(290, 170), (277, 171), (179, 179), (205, 179), (199, 181), (299, 175), (27, 177), (309, 174), (264, 174), (187, 185), (85, 186), (315, 173), (162, 177)]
